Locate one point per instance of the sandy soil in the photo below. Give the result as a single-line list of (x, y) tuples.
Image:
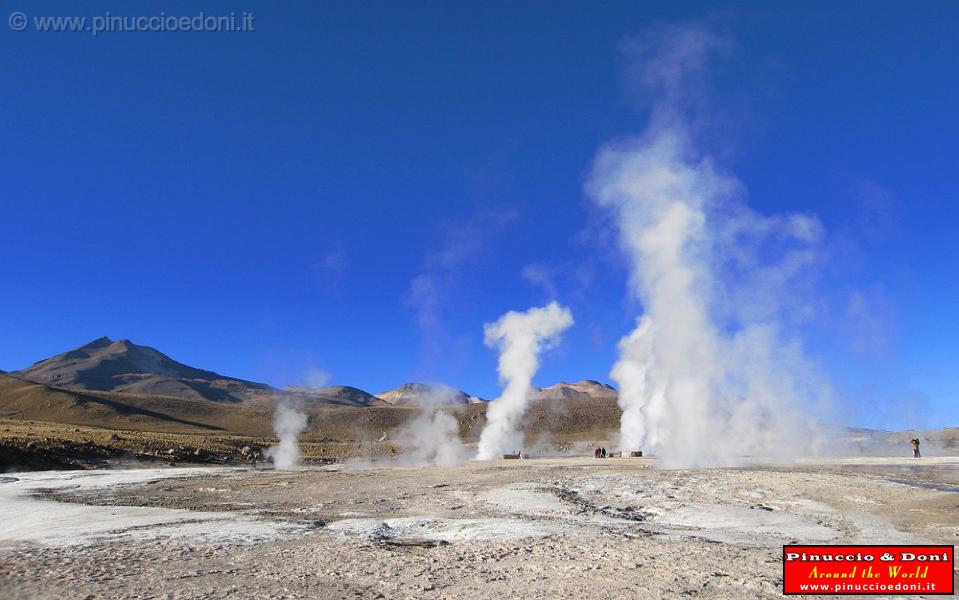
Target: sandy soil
[(40, 445), (540, 528)]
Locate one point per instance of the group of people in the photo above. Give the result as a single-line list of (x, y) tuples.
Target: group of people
[(600, 452)]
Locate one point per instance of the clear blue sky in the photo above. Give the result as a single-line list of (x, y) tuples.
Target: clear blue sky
[(357, 188)]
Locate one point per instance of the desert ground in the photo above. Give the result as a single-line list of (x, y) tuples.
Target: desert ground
[(115, 495), (570, 527)]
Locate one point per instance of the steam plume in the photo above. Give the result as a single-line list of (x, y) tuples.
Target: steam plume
[(433, 435), (709, 373), (288, 424), (520, 337)]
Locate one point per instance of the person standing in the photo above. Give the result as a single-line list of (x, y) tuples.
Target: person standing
[(915, 448)]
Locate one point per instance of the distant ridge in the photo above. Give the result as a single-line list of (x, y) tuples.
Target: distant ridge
[(585, 389), (125, 367), (424, 394), (335, 395), (122, 366)]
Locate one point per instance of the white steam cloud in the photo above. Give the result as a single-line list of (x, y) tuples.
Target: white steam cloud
[(708, 375), (433, 436), (288, 423), (520, 337)]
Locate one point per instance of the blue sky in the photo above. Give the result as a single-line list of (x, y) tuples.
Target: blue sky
[(355, 190)]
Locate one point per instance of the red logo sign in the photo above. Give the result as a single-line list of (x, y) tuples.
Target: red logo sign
[(886, 570)]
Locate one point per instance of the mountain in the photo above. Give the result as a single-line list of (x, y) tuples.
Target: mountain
[(25, 400), (122, 366), (424, 394), (585, 389), (336, 395)]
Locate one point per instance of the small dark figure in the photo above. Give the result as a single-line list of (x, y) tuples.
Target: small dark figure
[(596, 452), (602, 452), (915, 448)]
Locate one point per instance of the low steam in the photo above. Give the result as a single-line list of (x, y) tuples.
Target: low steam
[(288, 423), (432, 437)]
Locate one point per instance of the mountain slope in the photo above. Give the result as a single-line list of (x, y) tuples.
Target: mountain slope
[(123, 366), (21, 399), (423, 394), (335, 395), (586, 389)]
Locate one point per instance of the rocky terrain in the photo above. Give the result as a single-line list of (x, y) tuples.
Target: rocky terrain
[(548, 528), (332, 433)]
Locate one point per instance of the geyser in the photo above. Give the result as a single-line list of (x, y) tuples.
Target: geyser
[(520, 337), (288, 424), (433, 436), (708, 375)]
